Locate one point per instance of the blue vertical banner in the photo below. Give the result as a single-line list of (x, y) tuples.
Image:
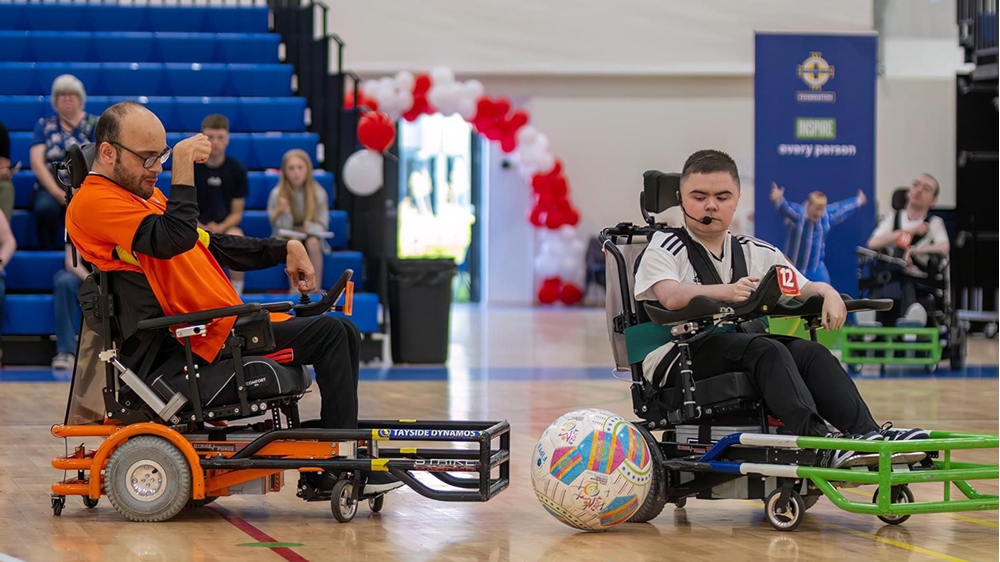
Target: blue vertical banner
[(814, 117)]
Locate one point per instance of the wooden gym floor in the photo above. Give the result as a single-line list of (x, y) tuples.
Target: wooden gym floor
[(527, 366)]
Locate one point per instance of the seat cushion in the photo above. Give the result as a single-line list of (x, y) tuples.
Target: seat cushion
[(264, 378), (725, 387)]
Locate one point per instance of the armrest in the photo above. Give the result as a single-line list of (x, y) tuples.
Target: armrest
[(283, 306), (699, 307), (813, 306), (202, 316), (325, 304)]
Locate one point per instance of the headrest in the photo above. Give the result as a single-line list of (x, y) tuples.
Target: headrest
[(899, 198), (78, 162), (659, 190)]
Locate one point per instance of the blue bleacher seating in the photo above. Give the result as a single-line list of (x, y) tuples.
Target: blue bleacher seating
[(34, 270), (34, 314), (256, 224), (246, 115), (182, 62), (260, 185), (113, 17), (254, 150), (150, 79)]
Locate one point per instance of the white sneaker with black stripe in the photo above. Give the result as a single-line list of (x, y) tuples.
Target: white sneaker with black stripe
[(893, 434), (846, 458)]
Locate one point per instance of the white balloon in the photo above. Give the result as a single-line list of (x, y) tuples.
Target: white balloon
[(546, 267), (369, 88), (474, 89), (541, 142), (526, 135), (546, 163), (363, 172), (578, 248), (553, 248), (569, 268), (468, 108), (386, 84), (405, 80), (568, 233), (441, 75)]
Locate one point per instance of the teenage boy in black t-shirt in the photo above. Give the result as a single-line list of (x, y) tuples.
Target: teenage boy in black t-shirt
[(222, 187)]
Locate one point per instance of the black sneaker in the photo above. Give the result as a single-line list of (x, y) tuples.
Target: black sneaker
[(380, 483), (846, 458), (910, 457)]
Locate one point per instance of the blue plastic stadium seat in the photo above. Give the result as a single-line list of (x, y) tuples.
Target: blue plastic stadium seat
[(273, 114), (56, 17), (45, 72), (33, 270), (185, 47), (169, 18), (20, 148), (11, 16), (115, 17), (133, 79), (24, 185), (275, 279), (236, 20), (191, 111), (60, 46), (260, 80), (21, 113), (29, 315), (197, 79), (18, 79), (14, 44), (270, 148), (366, 307), (256, 224), (22, 224), (257, 48), (123, 46), (261, 184)]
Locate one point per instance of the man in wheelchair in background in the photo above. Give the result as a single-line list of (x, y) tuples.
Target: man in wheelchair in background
[(912, 257), (800, 381), (162, 264)]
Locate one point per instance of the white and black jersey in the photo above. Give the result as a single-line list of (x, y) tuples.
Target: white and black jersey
[(666, 258)]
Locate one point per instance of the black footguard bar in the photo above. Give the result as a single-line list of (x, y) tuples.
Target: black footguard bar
[(400, 462)]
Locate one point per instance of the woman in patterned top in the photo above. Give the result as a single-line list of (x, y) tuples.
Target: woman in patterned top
[(71, 125)]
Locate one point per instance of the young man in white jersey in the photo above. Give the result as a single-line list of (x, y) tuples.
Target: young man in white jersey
[(916, 237), (801, 383)]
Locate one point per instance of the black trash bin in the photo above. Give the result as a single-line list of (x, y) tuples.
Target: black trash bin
[(420, 309)]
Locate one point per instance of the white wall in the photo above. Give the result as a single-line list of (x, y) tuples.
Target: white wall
[(566, 37), (623, 87)]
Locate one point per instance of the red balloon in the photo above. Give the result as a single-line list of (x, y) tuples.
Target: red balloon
[(376, 131), (421, 84), (570, 294), (555, 219), (548, 293), (363, 101), (572, 217), (535, 217)]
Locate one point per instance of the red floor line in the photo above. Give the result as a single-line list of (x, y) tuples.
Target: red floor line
[(258, 535)]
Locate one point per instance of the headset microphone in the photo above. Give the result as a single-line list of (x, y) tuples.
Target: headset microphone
[(704, 220)]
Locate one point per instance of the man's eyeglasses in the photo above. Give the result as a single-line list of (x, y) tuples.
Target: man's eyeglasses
[(148, 161)]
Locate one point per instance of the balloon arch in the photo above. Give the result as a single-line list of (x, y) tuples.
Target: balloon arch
[(559, 265)]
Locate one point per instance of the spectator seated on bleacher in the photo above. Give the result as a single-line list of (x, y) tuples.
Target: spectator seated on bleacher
[(7, 247), (6, 173), (222, 187), (298, 208), (71, 125), (65, 286)]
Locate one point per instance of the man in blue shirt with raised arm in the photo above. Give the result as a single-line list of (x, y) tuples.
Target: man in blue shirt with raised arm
[(808, 224)]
